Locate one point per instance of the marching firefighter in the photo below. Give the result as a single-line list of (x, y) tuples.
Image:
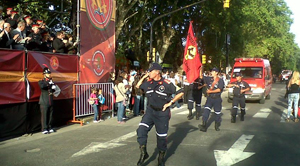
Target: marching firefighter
[(239, 89), (195, 95), (159, 93), (215, 87)]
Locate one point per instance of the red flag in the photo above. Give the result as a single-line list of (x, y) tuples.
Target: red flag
[(191, 59)]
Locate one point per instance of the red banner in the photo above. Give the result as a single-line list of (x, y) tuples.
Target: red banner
[(191, 58), (97, 36), (64, 71), (12, 85)]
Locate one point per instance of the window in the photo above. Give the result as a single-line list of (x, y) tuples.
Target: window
[(249, 72)]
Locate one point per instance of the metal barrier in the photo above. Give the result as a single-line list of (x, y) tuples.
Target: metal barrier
[(81, 94)]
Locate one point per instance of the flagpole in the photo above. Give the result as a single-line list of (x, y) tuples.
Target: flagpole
[(161, 16)]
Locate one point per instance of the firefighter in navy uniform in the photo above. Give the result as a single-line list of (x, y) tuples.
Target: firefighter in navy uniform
[(239, 89), (195, 95), (215, 87), (46, 101), (159, 93)]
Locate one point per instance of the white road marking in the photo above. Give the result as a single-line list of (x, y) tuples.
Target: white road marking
[(263, 113), (97, 147), (283, 116), (236, 152)]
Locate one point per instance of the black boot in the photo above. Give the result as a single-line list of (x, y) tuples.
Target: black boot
[(190, 116), (161, 158), (203, 126), (197, 115), (233, 118), (217, 125), (144, 155), (242, 115)]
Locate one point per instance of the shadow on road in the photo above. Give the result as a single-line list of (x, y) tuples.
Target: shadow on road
[(174, 140)]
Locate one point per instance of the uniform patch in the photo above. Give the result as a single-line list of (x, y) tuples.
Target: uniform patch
[(161, 88)]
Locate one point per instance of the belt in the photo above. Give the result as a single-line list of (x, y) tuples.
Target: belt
[(214, 96), (239, 96), (155, 108)]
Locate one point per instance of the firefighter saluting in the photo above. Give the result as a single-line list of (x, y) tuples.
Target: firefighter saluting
[(46, 101), (239, 89), (159, 93)]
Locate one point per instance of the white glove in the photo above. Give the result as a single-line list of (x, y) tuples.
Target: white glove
[(53, 86), (51, 82)]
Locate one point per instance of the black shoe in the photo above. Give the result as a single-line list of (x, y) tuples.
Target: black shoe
[(233, 118), (243, 113), (144, 155), (242, 117), (190, 116), (217, 125), (203, 126), (161, 158), (197, 115)]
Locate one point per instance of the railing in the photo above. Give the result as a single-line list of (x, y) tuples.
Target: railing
[(81, 95)]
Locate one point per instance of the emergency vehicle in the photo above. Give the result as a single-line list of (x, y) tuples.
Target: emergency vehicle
[(257, 73)]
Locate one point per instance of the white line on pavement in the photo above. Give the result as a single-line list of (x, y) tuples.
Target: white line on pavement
[(97, 147), (283, 116), (263, 113)]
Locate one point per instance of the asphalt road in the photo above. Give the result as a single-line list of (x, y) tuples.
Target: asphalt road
[(263, 139)]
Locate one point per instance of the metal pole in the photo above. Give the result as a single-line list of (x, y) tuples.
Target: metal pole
[(227, 57), (161, 16), (78, 28), (61, 10)]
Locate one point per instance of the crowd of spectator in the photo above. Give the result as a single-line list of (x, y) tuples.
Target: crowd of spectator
[(125, 82), (23, 33)]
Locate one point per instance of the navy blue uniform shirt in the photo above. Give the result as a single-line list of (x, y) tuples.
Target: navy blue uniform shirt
[(159, 92), (237, 90), (219, 85)]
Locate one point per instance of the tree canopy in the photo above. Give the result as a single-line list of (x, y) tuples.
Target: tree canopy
[(256, 28)]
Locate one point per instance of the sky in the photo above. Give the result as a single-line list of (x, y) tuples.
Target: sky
[(295, 28)]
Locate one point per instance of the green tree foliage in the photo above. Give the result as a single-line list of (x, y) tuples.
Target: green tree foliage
[(257, 28)]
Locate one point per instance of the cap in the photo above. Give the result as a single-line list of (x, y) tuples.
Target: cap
[(238, 75), (155, 66), (27, 17), (14, 12), (9, 8), (46, 70), (39, 21), (215, 69), (35, 25)]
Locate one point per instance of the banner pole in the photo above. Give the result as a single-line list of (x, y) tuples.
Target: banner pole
[(78, 27)]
